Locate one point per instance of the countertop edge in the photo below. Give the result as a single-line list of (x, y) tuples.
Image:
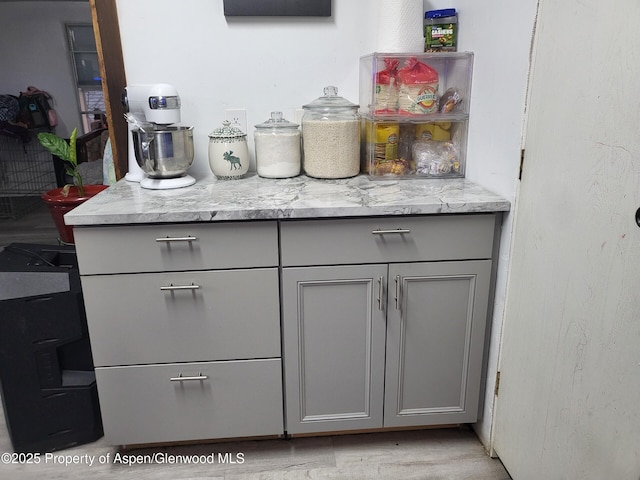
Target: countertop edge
[(256, 198)]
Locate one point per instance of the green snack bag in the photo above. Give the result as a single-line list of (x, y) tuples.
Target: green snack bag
[(440, 30)]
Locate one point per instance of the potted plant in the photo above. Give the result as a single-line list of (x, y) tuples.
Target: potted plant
[(62, 200)]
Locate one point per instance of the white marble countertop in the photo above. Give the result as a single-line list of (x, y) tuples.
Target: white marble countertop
[(253, 197)]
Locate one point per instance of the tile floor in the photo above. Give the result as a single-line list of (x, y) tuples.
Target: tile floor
[(453, 453)]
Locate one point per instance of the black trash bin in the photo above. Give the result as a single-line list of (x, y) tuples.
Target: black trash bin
[(47, 379)]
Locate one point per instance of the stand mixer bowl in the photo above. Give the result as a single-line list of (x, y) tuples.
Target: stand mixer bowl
[(165, 152)]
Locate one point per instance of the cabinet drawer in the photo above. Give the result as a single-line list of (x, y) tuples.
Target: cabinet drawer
[(142, 404), (382, 240), (159, 248), (213, 315)]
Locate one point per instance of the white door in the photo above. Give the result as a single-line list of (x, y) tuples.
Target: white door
[(569, 400)]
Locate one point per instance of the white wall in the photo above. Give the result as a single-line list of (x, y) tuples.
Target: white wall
[(34, 51), (259, 64), (279, 64)]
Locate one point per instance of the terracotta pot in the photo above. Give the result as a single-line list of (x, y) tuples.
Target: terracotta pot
[(59, 205)]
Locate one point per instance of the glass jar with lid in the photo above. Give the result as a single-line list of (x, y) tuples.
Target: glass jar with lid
[(331, 137), (277, 143), (228, 152)]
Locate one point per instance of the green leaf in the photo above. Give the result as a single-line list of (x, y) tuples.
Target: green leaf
[(66, 151), (72, 147), (55, 145)]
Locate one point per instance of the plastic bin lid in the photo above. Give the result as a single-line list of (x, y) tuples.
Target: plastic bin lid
[(445, 12)]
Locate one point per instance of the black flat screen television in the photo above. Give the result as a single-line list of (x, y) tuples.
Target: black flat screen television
[(278, 8)]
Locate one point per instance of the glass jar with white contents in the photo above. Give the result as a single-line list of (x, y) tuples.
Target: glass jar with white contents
[(277, 147), (331, 137)]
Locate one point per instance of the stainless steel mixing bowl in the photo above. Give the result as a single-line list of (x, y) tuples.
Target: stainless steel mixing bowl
[(166, 152)]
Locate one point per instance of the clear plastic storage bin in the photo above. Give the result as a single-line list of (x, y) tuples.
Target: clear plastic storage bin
[(405, 148), (391, 82), (415, 113)]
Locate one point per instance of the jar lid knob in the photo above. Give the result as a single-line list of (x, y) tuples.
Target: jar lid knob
[(276, 116), (330, 91)]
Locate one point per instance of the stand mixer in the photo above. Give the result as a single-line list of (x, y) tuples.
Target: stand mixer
[(151, 108)]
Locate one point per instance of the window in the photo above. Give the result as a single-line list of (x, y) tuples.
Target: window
[(84, 56)]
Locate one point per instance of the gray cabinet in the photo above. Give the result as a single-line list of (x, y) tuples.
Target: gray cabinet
[(176, 247), (334, 336), (382, 319), (185, 329), (184, 316), (435, 336), (187, 401), (384, 345)]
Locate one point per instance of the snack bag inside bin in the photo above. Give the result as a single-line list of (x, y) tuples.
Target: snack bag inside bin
[(417, 88), (386, 92)]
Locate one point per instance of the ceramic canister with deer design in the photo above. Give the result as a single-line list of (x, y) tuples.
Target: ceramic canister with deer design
[(228, 152)]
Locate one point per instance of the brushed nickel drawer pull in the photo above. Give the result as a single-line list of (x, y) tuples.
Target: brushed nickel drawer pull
[(172, 287), (200, 377), (397, 231), (177, 239)]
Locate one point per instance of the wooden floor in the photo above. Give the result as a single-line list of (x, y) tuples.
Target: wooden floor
[(427, 454)]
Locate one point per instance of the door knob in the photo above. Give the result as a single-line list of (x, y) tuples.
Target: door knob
[(638, 217)]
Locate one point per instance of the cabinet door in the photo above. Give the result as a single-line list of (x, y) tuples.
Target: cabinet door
[(435, 340), (334, 334)]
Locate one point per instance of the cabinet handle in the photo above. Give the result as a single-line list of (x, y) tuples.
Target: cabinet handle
[(177, 239), (397, 290), (397, 231), (172, 287), (200, 377), (380, 292)]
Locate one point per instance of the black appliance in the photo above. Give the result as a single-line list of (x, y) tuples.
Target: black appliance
[(47, 379)]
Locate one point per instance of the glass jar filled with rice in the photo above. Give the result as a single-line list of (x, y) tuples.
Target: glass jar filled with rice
[(331, 137)]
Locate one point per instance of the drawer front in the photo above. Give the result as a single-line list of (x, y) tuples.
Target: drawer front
[(142, 404), (382, 240), (160, 248), (183, 316)]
